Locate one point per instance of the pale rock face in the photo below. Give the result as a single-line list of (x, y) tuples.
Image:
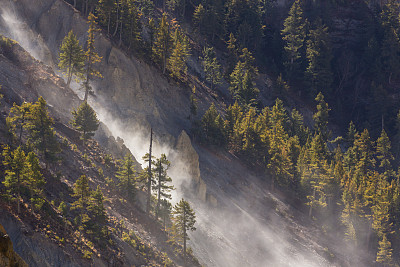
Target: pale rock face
[(190, 159)]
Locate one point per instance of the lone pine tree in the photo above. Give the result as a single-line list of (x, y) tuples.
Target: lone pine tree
[(182, 222), (85, 121), (72, 58), (91, 56), (160, 187), (126, 177)]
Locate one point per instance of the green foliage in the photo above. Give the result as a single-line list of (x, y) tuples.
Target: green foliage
[(179, 55), (294, 35), (91, 56), (212, 126), (6, 46), (321, 117), (85, 121), (42, 134), (163, 43), (161, 187), (19, 119), (319, 55), (72, 58), (211, 67), (23, 176), (127, 177), (183, 221)]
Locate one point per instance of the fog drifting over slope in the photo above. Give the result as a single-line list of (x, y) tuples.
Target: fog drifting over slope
[(231, 234)]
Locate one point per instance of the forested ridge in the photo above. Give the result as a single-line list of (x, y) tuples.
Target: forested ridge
[(337, 58), (349, 182)]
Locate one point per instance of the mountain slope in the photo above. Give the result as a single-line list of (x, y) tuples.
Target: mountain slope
[(239, 221)]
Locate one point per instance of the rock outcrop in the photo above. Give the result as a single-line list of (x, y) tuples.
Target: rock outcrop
[(8, 257), (190, 160)]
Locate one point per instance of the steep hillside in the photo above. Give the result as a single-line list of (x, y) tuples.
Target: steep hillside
[(240, 221), (47, 236)]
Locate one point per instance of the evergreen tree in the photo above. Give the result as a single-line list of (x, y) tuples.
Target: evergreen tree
[(182, 222), (319, 56), (71, 58), (281, 88), (242, 87), (294, 35), (82, 193), (180, 53), (165, 211), (385, 251), (126, 176), (33, 173), (321, 117), (193, 103), (42, 134), (91, 56), (15, 179), (211, 67), (19, 118), (212, 127), (162, 44), (98, 217), (104, 10), (384, 155), (160, 187), (199, 18), (351, 134), (85, 121)]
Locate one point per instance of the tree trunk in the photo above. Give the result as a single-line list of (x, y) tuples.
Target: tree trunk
[(311, 206), (149, 178), (109, 22), (184, 237), (159, 192), (117, 22)]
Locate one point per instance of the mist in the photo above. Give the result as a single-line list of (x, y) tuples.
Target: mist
[(234, 233)]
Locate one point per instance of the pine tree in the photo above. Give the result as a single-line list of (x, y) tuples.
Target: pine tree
[(294, 35), (91, 56), (385, 251), (126, 176), (193, 104), (160, 187), (19, 118), (104, 10), (15, 179), (42, 134), (165, 211), (242, 87), (182, 222), (35, 178), (351, 134), (162, 44), (211, 67), (85, 121), (71, 58), (82, 193), (199, 18), (212, 130), (133, 26), (180, 53), (321, 117), (98, 217), (248, 62), (384, 155), (319, 56)]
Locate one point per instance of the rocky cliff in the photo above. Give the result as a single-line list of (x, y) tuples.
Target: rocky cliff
[(8, 257)]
